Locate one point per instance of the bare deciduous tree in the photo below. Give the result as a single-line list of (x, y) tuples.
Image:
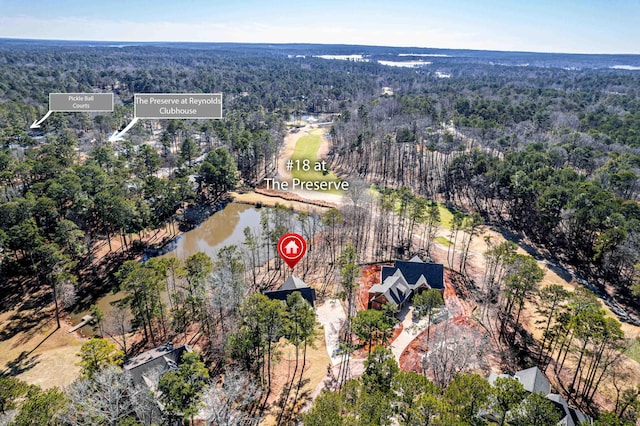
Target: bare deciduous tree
[(117, 325), (451, 352), (145, 398), (107, 398), (66, 293), (229, 404)]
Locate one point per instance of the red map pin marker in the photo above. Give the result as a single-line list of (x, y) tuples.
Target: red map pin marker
[(292, 248)]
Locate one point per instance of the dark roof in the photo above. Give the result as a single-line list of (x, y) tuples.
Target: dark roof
[(578, 416), (562, 408), (164, 358), (412, 270), (533, 380), (293, 284), (397, 295), (308, 294)]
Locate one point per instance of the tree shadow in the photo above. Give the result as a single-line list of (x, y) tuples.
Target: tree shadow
[(24, 362), (402, 314), (517, 238), (287, 407), (44, 340), (14, 280), (98, 279), (28, 335), (134, 348), (10, 297), (560, 271), (303, 398), (22, 321)]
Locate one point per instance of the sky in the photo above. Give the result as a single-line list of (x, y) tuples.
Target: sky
[(586, 26)]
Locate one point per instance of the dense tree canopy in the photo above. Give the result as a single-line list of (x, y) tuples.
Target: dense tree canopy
[(546, 154)]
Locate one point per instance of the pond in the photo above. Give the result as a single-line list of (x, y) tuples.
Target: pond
[(224, 228)]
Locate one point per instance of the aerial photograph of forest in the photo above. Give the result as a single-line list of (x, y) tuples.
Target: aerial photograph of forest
[(352, 213)]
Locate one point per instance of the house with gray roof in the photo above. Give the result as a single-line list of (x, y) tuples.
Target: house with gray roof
[(534, 380), (155, 361), (291, 285), (399, 282), (572, 417)]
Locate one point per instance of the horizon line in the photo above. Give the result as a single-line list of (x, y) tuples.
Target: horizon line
[(2, 38)]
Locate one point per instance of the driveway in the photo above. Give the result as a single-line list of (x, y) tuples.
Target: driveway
[(410, 331), (332, 315)]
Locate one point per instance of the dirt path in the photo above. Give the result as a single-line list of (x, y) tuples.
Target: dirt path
[(553, 274), (530, 318), (356, 368), (332, 315)]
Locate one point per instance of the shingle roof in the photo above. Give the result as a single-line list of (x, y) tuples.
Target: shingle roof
[(394, 287), (165, 358), (493, 376), (399, 281), (563, 408), (413, 269), (578, 416), (533, 380), (293, 283)]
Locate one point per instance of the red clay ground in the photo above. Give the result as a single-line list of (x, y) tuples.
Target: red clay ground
[(460, 317), (460, 320), (370, 275)]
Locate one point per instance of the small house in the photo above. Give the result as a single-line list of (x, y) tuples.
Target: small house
[(291, 285), (534, 380), (164, 358)]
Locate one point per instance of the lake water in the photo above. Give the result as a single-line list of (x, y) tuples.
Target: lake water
[(224, 228)]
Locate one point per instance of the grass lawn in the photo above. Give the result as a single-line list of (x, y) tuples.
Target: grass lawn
[(446, 216), (307, 149), (442, 240), (315, 371), (634, 351), (35, 351)]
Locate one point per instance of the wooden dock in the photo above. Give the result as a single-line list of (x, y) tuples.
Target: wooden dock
[(85, 320)]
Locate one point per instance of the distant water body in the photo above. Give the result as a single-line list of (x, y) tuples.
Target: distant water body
[(625, 67)]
